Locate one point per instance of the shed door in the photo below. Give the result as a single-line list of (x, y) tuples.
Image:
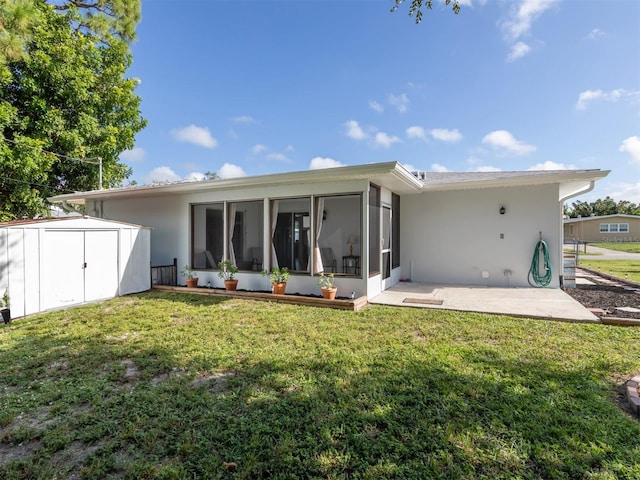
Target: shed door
[(79, 266), (101, 259), (62, 268)]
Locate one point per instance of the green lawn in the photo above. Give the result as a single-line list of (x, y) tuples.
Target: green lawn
[(177, 386), (623, 269), (628, 247)]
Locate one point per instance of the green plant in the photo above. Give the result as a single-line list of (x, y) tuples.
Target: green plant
[(277, 275), (4, 303), (326, 281), (187, 271), (227, 270)]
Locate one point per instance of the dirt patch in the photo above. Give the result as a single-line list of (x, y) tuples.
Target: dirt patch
[(608, 298), (215, 383), (132, 372)]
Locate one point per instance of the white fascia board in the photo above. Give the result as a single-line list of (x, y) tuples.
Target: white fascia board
[(369, 171), (574, 179)]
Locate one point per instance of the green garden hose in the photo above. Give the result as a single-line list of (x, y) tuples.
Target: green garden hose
[(534, 272)]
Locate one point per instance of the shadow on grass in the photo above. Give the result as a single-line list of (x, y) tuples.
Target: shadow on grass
[(137, 411)]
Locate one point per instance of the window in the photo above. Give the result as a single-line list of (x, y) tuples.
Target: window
[(338, 234), (246, 226), (207, 241), (374, 230), (614, 228)]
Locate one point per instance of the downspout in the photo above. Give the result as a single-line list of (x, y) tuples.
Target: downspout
[(560, 259)]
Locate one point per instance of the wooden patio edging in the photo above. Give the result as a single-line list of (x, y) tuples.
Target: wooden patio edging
[(353, 305)]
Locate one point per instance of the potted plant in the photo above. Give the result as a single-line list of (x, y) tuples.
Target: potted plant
[(278, 277), (5, 307), (228, 273), (191, 279), (328, 288)]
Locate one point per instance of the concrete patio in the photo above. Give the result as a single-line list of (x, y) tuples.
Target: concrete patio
[(547, 303)]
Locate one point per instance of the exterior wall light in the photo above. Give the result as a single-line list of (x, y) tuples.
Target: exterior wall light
[(502, 210)]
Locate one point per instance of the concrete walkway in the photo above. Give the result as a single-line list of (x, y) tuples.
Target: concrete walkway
[(598, 253), (547, 303)]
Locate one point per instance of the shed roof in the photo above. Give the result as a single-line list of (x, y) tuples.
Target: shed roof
[(601, 217), (75, 222)]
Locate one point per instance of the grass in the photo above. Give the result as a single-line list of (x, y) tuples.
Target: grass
[(628, 247), (623, 269), (173, 386)]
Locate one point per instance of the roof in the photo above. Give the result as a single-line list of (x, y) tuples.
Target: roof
[(601, 217), (392, 175), (73, 222)]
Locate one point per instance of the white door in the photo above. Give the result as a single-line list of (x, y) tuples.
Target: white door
[(385, 252), (78, 266), (62, 268), (101, 265)]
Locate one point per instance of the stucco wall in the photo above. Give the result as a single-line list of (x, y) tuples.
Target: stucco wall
[(453, 237)]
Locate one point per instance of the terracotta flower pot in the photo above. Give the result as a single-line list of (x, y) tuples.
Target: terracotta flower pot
[(329, 293), (192, 282), (279, 288), (231, 285)]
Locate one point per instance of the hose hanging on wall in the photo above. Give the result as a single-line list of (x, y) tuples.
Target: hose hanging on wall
[(535, 278)]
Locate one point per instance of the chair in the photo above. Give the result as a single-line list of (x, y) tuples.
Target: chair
[(328, 260)]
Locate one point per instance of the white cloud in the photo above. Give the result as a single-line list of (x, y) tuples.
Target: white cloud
[(244, 119), (279, 157), (522, 16), (549, 165), (196, 135), (437, 167), (486, 168), (409, 167), (161, 175), (503, 140), (416, 132), (259, 148), (319, 163), (229, 170), (401, 102), (595, 33), (627, 191), (195, 177), (384, 140), (445, 135), (631, 145), (518, 50), (289, 148), (613, 96), (134, 155), (354, 130), (375, 106)]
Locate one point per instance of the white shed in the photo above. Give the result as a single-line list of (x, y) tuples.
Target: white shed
[(56, 262)]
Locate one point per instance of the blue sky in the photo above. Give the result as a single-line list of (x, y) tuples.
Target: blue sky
[(248, 88)]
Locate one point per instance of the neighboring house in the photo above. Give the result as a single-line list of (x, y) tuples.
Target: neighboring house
[(56, 262), (373, 224), (604, 229)]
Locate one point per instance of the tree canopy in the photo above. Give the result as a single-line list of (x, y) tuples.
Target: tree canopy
[(601, 207), (64, 98), (416, 6)]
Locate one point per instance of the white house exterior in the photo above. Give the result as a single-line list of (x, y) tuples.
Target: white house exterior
[(57, 262), (373, 224)]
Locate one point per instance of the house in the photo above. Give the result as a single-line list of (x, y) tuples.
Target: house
[(50, 263), (603, 229), (374, 224)]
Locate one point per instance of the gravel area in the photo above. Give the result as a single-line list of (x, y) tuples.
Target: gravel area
[(609, 298)]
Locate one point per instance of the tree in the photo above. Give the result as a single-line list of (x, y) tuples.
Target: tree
[(63, 96), (416, 7), (601, 207)]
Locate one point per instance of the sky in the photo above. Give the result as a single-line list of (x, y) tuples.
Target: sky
[(256, 87)]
